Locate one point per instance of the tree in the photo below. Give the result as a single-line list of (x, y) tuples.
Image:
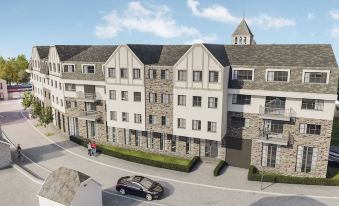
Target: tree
[(13, 69), (36, 108), (46, 116), (27, 100)]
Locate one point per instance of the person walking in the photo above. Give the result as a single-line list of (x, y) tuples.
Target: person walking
[(18, 150), (94, 148), (89, 147)]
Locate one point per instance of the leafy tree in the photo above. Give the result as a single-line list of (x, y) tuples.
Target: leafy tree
[(36, 108), (13, 69), (46, 116), (27, 100)]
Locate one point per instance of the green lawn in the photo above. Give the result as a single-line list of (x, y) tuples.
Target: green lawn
[(333, 173), (335, 132), (150, 156)]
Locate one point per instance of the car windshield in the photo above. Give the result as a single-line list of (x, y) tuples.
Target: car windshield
[(147, 183)]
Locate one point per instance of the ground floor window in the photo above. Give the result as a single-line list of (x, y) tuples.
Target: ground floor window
[(173, 142), (137, 138), (91, 129), (73, 126), (306, 159), (113, 135), (127, 136), (162, 141), (270, 155)]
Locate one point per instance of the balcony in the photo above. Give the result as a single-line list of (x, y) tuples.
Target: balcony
[(275, 138), (277, 113), (85, 96), (89, 115)]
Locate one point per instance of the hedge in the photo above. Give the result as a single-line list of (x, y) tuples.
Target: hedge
[(255, 175), (218, 168), (151, 159)]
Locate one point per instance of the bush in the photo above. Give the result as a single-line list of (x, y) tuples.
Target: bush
[(152, 159), (255, 175), (218, 168)]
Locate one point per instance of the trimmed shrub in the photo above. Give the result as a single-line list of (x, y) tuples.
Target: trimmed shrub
[(255, 175), (151, 159), (219, 167)]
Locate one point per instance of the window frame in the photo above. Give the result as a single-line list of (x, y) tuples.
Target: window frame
[(112, 94), (242, 69), (196, 125), (196, 102), (113, 72), (121, 72), (122, 96), (318, 104), (125, 117), (181, 123), (138, 72), (212, 127), (184, 102), (214, 102), (235, 98), (63, 68), (316, 71), (200, 76), (278, 70), (134, 96), (82, 68), (210, 80), (182, 75)]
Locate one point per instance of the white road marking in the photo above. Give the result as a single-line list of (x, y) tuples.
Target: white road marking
[(179, 181), (135, 199)]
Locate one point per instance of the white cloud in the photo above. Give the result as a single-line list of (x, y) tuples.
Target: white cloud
[(310, 15), (335, 32), (220, 13), (147, 19), (334, 14), (203, 39)]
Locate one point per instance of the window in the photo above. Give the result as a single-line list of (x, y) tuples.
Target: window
[(111, 72), (182, 100), (58, 67), (152, 97), (235, 40), (124, 95), (125, 116), (306, 159), (213, 76), (136, 74), (274, 126), (113, 115), (241, 99), (165, 98), (112, 94), (164, 74), (113, 135), (55, 84), (244, 40), (196, 125), (211, 126), (173, 140), (164, 121), (162, 141), (137, 138), (196, 101), (243, 75), (270, 155), (88, 69), (240, 40), (152, 74), (54, 67), (137, 118), (71, 104), (212, 102), (69, 87), (127, 140), (61, 103), (151, 119), (60, 85), (69, 67), (123, 73), (137, 96), (312, 104), (277, 76), (240, 122), (182, 75), (181, 123), (315, 77), (197, 76), (310, 129), (91, 128)]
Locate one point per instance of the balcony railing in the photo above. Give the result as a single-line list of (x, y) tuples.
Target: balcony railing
[(276, 113), (89, 115), (86, 96), (275, 138)]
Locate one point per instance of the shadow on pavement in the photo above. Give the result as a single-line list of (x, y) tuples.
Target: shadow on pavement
[(196, 166), (287, 201), (168, 189), (12, 117), (111, 197)]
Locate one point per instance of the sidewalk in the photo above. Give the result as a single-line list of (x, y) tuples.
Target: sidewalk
[(233, 177)]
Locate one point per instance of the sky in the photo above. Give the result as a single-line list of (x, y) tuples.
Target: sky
[(24, 24)]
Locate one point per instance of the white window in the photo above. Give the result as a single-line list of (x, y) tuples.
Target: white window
[(164, 121), (113, 115), (211, 126), (182, 75), (196, 101), (242, 74), (124, 95), (310, 129), (196, 125), (181, 123), (111, 72), (69, 87), (136, 74), (127, 136), (182, 100), (151, 119), (212, 102), (137, 118), (277, 76), (125, 117), (137, 96), (306, 159), (197, 76), (165, 98), (69, 67), (241, 99), (152, 97), (112, 94), (164, 74), (88, 69), (123, 73), (152, 74), (270, 155), (315, 77), (312, 104), (113, 135), (213, 76)]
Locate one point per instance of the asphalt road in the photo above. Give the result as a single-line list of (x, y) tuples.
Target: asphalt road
[(196, 188)]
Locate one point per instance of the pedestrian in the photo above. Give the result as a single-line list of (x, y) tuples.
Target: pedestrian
[(18, 150), (89, 147), (94, 148)]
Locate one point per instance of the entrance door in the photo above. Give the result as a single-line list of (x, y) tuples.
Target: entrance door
[(238, 152), (211, 148)]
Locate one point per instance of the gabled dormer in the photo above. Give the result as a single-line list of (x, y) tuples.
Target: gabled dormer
[(243, 35)]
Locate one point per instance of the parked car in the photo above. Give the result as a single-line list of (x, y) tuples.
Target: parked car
[(140, 186)]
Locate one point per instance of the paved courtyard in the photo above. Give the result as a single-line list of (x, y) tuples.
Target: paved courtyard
[(199, 187)]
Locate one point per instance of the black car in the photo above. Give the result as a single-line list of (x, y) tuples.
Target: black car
[(140, 186)]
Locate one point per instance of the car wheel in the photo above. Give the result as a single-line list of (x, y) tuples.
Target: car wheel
[(122, 191), (149, 197)]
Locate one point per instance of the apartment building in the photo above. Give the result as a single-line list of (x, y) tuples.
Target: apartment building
[(270, 106)]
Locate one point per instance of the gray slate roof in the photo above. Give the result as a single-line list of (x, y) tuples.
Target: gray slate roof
[(243, 29), (170, 54), (62, 185), (94, 54), (218, 51), (68, 51), (295, 55), (43, 51)]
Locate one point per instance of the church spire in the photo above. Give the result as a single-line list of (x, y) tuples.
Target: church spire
[(243, 34)]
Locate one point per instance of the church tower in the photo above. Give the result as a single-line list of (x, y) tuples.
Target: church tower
[(243, 35)]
